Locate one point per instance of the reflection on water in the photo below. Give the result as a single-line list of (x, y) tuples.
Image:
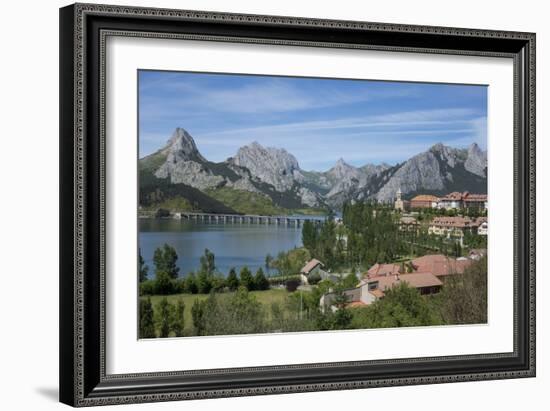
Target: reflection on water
[(234, 245)]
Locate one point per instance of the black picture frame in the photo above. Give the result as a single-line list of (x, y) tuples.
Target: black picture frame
[(83, 29)]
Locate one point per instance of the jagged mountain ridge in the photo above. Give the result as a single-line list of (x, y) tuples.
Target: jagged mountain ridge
[(275, 173)]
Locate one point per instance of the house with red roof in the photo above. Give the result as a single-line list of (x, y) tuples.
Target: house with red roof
[(440, 265)]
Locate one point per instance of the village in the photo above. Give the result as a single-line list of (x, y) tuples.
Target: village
[(426, 273)]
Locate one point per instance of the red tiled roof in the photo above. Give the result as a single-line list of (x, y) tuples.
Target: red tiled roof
[(416, 280), (439, 265), (420, 280), (383, 270), (425, 197), (454, 196), (310, 266)]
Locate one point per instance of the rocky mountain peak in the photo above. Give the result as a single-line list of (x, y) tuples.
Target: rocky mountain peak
[(343, 170), (182, 147), (437, 148), (474, 150), (476, 160), (271, 165)]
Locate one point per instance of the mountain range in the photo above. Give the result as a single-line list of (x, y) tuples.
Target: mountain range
[(272, 176)]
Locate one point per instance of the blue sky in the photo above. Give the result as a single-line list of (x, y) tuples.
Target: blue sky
[(317, 120)]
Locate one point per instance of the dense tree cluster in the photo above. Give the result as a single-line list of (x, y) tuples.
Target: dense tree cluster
[(167, 282), (369, 234), (239, 314), (464, 297), (166, 320), (402, 306)]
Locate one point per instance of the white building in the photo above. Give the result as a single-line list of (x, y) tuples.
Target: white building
[(483, 228)]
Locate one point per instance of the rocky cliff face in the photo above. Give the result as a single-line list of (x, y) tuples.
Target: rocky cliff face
[(184, 164), (476, 162), (438, 170), (275, 173), (273, 166)]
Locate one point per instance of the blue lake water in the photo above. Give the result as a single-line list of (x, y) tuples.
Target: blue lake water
[(234, 245)]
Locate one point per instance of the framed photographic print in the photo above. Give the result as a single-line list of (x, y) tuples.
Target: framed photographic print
[(261, 204)]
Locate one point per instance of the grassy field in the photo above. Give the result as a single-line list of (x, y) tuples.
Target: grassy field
[(264, 297)]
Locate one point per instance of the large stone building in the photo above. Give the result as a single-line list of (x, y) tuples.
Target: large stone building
[(424, 201), (455, 227), (456, 200)]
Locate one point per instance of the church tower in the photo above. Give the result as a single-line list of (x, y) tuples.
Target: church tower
[(399, 203)]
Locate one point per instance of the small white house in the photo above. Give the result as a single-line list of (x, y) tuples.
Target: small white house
[(364, 294), (313, 266), (483, 228)]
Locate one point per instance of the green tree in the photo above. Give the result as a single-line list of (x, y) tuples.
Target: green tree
[(177, 324), (146, 321), (342, 319), (197, 314), (217, 282), (164, 284), (208, 262), (204, 285), (164, 317), (246, 279), (165, 259), (241, 313), (245, 314), (309, 235), (268, 260), (143, 268), (147, 287), (464, 296), (232, 280), (349, 281), (190, 283), (402, 306), (260, 280)]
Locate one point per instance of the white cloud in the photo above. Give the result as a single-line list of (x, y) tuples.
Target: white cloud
[(270, 96)]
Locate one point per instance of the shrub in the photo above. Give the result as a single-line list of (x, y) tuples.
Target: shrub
[(292, 285), (164, 317), (147, 287), (247, 280), (260, 280), (190, 283), (232, 280), (163, 284), (146, 322)]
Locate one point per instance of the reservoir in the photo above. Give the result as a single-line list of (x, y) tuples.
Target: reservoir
[(234, 244)]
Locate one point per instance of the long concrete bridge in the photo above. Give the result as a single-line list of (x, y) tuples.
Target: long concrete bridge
[(295, 221), (290, 221)]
